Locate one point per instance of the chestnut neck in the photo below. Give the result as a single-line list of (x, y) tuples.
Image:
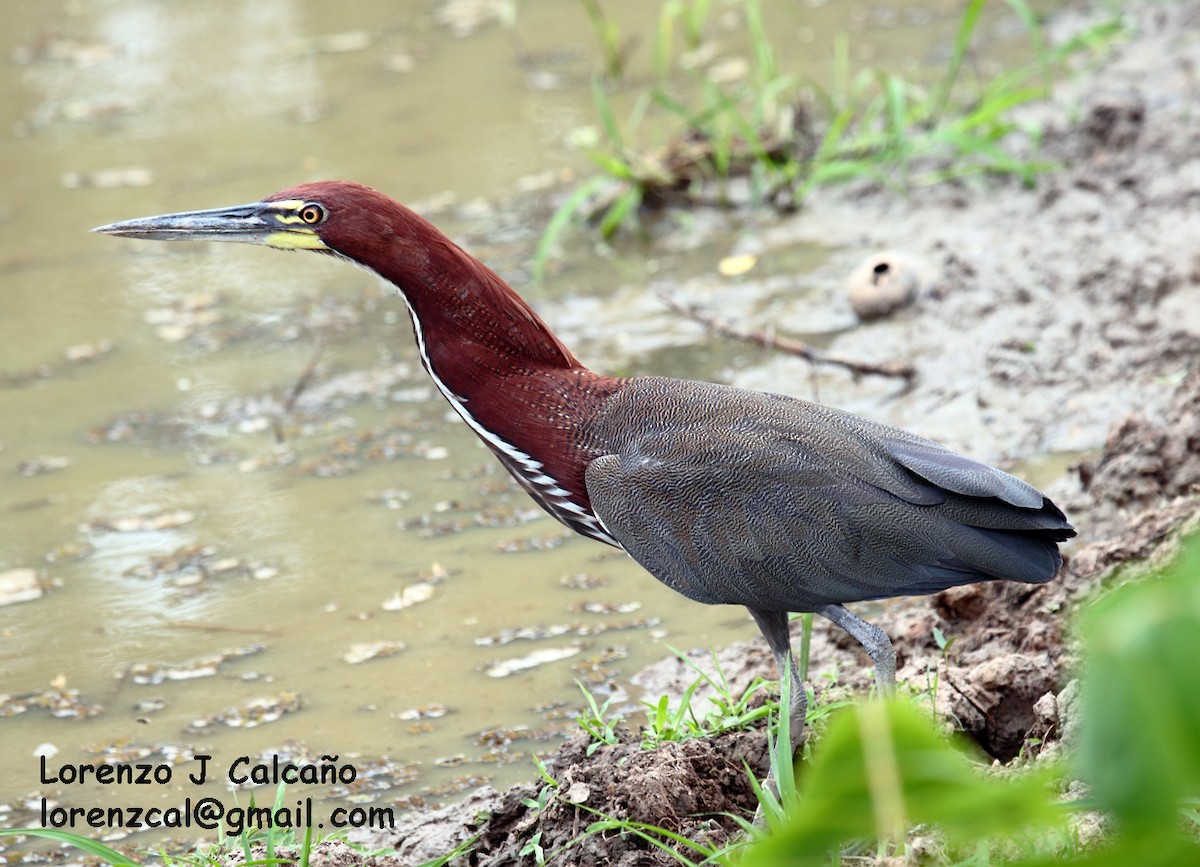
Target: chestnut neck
[(502, 369), (472, 327)]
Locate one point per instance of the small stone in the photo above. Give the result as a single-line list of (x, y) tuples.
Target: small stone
[(1045, 710), (733, 266), (400, 62), (409, 596), (887, 281), (19, 585), (578, 793), (729, 70), (173, 333), (365, 651), (41, 465), (81, 353), (506, 667)]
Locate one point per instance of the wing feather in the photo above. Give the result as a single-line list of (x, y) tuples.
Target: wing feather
[(786, 505)]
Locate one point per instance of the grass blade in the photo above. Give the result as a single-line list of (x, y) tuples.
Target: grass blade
[(560, 220), (91, 847), (625, 204), (962, 41), (608, 121)]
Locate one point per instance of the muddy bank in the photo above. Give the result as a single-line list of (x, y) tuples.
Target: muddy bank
[(1066, 319)]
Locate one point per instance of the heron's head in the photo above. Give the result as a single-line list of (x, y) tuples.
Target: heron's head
[(329, 216)]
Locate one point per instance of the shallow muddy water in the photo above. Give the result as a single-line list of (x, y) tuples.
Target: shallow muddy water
[(193, 564)]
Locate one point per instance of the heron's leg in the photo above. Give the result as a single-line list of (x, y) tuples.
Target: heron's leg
[(774, 626), (873, 639)]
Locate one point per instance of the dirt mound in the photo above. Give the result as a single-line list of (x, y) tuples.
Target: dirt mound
[(691, 788), (1147, 463)]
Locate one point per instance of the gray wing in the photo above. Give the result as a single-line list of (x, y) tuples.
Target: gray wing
[(955, 473), (775, 503)]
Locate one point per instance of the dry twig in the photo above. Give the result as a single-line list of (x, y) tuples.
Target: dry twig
[(297, 389), (898, 369)]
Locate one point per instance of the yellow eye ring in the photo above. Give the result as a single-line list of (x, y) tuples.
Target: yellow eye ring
[(312, 214)]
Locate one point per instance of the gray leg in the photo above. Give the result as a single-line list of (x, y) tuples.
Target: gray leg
[(774, 626), (872, 638)]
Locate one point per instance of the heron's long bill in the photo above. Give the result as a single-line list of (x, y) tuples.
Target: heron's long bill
[(274, 224)]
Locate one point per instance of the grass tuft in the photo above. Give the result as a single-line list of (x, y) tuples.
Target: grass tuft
[(784, 137)]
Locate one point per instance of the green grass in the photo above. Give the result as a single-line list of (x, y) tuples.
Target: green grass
[(726, 711), (598, 721), (785, 136), (86, 845), (614, 48)]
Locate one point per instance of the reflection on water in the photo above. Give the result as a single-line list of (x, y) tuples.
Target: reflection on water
[(184, 516)]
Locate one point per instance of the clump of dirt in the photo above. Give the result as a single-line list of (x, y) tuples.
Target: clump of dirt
[(692, 788), (1146, 463)]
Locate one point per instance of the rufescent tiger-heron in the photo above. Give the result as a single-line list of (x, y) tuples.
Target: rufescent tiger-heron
[(725, 495)]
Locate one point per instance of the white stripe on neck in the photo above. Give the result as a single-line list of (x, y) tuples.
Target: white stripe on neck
[(554, 498)]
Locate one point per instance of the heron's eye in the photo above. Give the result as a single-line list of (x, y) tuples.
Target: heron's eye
[(312, 213)]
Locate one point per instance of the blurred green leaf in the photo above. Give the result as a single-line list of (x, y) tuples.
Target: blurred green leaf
[(567, 211), (1140, 747), (962, 41), (626, 203), (880, 769), (1169, 849)]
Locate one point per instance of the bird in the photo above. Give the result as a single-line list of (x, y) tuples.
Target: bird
[(725, 495)]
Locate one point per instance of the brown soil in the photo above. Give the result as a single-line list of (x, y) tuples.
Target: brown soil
[(1098, 263)]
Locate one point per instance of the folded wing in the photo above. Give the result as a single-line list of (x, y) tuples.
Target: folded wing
[(776, 503)]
